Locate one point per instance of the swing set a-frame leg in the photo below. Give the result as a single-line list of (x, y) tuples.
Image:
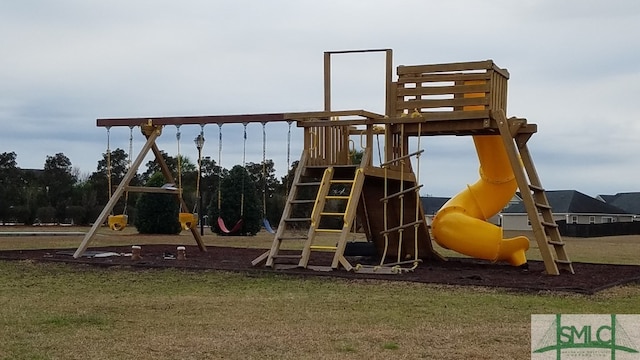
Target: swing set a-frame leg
[(117, 194), (169, 178), (150, 144)]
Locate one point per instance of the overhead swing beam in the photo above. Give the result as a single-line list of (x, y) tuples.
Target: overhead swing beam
[(233, 119), (194, 120), (148, 189)]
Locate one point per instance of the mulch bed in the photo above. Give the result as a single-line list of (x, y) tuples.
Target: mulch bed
[(588, 278)]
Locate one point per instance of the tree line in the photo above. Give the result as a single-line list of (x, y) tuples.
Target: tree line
[(58, 194)]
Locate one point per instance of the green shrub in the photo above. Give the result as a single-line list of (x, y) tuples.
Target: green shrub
[(157, 213)]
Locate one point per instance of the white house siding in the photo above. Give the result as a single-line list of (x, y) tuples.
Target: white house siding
[(521, 221)]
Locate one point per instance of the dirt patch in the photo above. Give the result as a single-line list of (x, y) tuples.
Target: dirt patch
[(588, 279)]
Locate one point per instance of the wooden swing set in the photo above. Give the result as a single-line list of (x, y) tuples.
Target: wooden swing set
[(459, 99)]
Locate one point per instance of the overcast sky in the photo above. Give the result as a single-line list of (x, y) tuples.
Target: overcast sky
[(574, 64)]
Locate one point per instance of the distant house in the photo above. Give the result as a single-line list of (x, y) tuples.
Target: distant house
[(571, 206), (628, 201), (431, 205), (35, 173)]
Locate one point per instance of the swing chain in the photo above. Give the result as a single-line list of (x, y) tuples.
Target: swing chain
[(200, 144), (109, 159), (179, 166), (126, 194), (289, 122), (264, 169), (219, 166), (244, 154)]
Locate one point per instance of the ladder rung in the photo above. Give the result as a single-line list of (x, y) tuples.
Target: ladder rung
[(337, 197), (308, 184), (401, 192), (400, 227), (303, 201), (338, 181), (549, 224), (297, 219), (331, 214), (401, 157), (285, 266), (555, 243), (561, 261), (536, 187), (286, 256), (329, 230), (319, 268), (321, 247), (292, 238), (543, 206)]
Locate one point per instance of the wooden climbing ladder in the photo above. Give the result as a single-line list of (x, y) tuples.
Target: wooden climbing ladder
[(335, 187), (535, 200)]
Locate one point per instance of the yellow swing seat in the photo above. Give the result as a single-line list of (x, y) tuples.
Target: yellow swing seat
[(188, 220), (118, 222)]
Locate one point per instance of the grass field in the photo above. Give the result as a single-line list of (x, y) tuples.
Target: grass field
[(56, 311)]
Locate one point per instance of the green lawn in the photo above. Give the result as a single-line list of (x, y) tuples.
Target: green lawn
[(58, 311)]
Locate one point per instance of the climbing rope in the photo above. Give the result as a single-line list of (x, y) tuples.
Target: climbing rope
[(385, 205), (401, 197), (416, 225)]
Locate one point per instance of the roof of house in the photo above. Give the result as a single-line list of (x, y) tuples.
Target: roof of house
[(571, 202), (431, 204), (629, 201), (32, 172)]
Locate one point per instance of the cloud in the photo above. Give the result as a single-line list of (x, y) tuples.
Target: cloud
[(574, 72)]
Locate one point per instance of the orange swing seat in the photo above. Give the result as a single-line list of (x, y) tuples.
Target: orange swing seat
[(118, 222), (188, 220)]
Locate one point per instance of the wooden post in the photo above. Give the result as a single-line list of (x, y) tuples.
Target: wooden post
[(389, 90), (327, 81)]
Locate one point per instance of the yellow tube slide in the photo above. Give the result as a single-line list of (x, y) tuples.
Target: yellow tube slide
[(461, 225)]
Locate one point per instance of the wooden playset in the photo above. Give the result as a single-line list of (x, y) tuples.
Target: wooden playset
[(461, 99)]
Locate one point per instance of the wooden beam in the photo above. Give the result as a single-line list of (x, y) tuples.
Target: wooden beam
[(438, 116), (327, 81), (147, 189), (356, 51), (324, 123), (327, 115), (450, 67), (391, 174), (193, 120), (389, 87)]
